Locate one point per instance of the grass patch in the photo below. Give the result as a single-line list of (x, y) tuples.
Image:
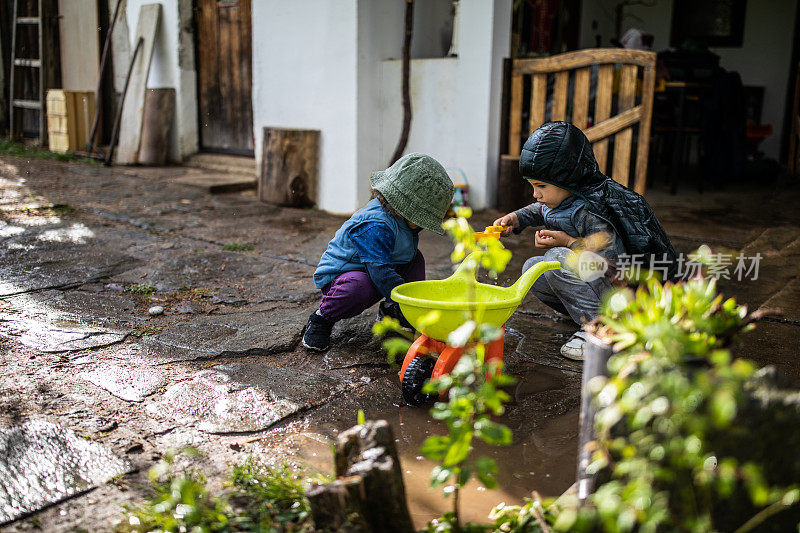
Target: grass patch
[(238, 246), (22, 150), (141, 288), (258, 498), (196, 293)]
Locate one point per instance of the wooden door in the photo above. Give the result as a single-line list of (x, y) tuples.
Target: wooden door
[(224, 57)]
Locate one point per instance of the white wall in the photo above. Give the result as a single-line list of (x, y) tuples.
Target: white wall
[(172, 67), (763, 60), (304, 76), (456, 101)]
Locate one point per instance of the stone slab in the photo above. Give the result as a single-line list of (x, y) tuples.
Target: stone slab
[(129, 383), (237, 334), (215, 403), (42, 464), (60, 266), (218, 183)]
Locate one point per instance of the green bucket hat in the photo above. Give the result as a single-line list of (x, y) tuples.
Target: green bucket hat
[(418, 188)]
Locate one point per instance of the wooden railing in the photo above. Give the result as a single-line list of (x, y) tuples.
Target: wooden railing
[(619, 73)]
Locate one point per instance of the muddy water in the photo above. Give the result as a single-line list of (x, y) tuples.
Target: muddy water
[(541, 458)]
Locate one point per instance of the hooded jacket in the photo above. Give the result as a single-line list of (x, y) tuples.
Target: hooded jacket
[(560, 154)]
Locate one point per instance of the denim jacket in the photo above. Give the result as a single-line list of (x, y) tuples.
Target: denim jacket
[(571, 217), (342, 253)]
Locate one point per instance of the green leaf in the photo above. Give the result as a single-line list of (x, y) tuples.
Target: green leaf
[(362, 419), (435, 447), (440, 475), (486, 470), (459, 448), (492, 433)]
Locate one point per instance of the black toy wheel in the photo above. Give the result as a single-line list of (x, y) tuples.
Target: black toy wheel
[(418, 371)]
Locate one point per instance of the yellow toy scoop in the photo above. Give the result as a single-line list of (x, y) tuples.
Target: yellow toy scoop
[(491, 232), (451, 297)]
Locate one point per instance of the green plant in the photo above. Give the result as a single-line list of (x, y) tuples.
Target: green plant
[(472, 390), (179, 502), (238, 246), (271, 498), (140, 288), (259, 498), (8, 147)]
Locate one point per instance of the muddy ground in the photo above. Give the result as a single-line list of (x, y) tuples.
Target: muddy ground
[(221, 368)]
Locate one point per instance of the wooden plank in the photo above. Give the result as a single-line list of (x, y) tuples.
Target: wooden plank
[(643, 147), (80, 44), (35, 63), (159, 109), (624, 139), (133, 109), (27, 104), (795, 132), (289, 167), (515, 116), (560, 96), (615, 124), (602, 110), (538, 101), (583, 58), (580, 97)]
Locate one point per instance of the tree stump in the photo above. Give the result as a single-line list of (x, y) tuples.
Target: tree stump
[(369, 494), (289, 167), (159, 109)]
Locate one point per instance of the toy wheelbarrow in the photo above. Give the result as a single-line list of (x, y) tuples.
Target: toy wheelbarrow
[(451, 298)]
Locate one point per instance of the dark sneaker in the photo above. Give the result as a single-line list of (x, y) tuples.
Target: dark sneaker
[(318, 333), (392, 310)]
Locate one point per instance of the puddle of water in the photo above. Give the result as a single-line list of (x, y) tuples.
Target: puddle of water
[(542, 457)]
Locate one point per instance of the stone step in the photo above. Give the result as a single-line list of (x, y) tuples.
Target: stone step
[(223, 164)]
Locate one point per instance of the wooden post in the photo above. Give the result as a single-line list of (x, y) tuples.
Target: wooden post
[(289, 167), (369, 494), (159, 109)]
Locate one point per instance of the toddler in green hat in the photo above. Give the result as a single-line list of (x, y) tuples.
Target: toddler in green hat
[(376, 249)]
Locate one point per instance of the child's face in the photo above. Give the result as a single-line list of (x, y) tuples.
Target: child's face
[(547, 194)]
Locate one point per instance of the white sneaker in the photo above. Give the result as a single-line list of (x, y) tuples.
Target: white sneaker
[(573, 348)]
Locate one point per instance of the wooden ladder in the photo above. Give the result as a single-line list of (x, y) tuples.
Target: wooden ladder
[(34, 64)]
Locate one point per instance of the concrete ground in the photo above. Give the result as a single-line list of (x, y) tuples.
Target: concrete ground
[(222, 369)]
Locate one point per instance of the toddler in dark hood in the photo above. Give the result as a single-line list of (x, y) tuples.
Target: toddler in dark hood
[(573, 201)]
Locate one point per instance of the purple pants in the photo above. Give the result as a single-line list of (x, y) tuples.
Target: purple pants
[(353, 292)]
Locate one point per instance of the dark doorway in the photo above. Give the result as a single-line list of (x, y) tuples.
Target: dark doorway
[(224, 78)]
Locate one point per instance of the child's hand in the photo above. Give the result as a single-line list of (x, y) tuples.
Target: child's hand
[(547, 238), (510, 221)]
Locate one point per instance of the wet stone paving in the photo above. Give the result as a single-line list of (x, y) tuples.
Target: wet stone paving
[(96, 387)]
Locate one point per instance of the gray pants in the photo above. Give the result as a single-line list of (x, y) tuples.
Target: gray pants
[(566, 292)]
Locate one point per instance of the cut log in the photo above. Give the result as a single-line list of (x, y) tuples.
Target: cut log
[(289, 167), (159, 110), (369, 494)]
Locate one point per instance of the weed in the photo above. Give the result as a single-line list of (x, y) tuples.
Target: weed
[(21, 150), (195, 293), (141, 288), (146, 331), (238, 246), (259, 498)]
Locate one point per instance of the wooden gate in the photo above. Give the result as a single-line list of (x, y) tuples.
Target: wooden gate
[(224, 57), (615, 106)]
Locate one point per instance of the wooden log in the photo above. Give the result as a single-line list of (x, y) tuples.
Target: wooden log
[(336, 506), (369, 494), (159, 110), (513, 192), (289, 167)]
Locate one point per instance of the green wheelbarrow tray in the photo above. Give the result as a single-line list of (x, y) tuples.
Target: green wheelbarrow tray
[(451, 297)]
